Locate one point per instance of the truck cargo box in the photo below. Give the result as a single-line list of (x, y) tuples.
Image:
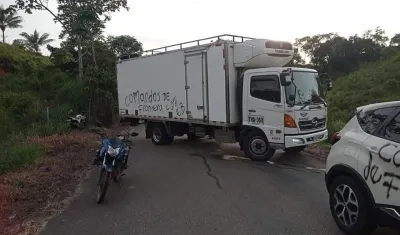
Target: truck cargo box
[(196, 85)]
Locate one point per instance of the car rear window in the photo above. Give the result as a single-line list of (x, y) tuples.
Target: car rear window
[(392, 130), (371, 120)]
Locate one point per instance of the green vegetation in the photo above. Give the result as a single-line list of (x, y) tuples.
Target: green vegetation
[(364, 69), (18, 154), (17, 60), (34, 41), (374, 82), (28, 89), (8, 20), (38, 91)]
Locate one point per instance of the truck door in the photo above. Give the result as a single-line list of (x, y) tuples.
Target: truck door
[(265, 105), (195, 85)]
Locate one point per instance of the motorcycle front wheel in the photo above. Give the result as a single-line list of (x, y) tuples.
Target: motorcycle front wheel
[(103, 185)]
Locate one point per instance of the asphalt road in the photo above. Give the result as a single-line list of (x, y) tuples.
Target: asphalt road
[(190, 188)]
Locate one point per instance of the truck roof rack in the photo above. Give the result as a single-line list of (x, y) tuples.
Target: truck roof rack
[(179, 46)]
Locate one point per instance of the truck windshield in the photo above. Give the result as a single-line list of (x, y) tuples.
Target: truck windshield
[(307, 88)]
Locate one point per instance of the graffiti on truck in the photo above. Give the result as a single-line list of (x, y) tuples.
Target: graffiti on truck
[(148, 102)]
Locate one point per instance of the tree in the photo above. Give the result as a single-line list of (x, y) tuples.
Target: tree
[(63, 57), (9, 19), (124, 45), (80, 19), (34, 41), (378, 36), (19, 43), (338, 55), (297, 60), (395, 41)]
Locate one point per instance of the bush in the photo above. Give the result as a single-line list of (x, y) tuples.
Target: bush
[(35, 99), (14, 59), (46, 129), (335, 126), (18, 153), (373, 83)]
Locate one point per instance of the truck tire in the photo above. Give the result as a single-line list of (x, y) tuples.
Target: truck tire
[(295, 150), (159, 135), (256, 147)]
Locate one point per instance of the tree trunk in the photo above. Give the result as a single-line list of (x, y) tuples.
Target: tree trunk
[(94, 56), (80, 60), (4, 39)]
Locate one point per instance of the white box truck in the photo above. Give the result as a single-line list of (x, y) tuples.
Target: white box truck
[(231, 88)]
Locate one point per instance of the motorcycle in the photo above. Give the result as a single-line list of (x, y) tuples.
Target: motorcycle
[(112, 158), (77, 121)]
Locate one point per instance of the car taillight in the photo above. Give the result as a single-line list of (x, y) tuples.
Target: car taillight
[(335, 138)]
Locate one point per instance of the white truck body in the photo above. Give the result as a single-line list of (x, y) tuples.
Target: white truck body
[(164, 87), (215, 85)]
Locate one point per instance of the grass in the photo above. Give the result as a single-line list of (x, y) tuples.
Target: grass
[(46, 129), (19, 153), (19, 60), (333, 127), (373, 83)]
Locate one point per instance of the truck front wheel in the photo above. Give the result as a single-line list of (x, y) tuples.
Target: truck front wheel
[(256, 147), (159, 135)]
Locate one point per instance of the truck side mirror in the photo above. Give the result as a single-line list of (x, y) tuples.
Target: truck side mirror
[(286, 79)]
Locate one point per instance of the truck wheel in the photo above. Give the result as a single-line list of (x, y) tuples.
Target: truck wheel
[(295, 150), (159, 135), (350, 207), (256, 147)]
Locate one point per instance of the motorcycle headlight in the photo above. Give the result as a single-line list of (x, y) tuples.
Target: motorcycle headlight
[(112, 152)]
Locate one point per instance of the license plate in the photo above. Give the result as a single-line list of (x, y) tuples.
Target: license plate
[(315, 138), (256, 120)]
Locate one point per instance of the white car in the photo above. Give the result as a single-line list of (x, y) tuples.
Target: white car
[(363, 170)]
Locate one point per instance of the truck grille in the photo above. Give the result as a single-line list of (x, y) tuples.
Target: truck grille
[(313, 124)]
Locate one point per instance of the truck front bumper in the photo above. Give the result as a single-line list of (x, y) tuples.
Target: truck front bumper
[(305, 139)]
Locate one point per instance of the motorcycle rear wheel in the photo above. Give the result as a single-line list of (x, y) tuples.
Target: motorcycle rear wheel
[(103, 185)]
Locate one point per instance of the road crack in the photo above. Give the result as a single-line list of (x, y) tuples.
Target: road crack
[(209, 170)]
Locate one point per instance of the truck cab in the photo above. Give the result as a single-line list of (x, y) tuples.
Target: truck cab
[(286, 105), (282, 107)]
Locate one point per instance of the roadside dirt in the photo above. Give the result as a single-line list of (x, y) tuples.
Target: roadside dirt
[(317, 151), (40, 190)]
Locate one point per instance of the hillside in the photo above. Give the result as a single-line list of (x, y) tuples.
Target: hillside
[(14, 59), (372, 83)]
